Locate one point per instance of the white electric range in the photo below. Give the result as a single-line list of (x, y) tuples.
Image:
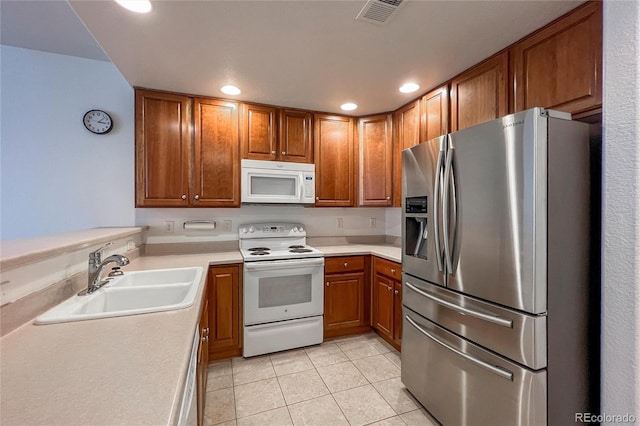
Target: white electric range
[(283, 288)]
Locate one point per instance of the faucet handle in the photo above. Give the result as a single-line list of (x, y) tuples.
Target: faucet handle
[(97, 254)]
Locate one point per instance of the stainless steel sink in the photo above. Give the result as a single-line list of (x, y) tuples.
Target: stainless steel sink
[(134, 293)]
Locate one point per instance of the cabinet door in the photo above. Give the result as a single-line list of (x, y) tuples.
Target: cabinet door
[(434, 114), (397, 312), (216, 159), (296, 136), (375, 161), (383, 305), (163, 149), (203, 360), (406, 134), (344, 301), (560, 67), (224, 311), (259, 132), (480, 93), (334, 158)]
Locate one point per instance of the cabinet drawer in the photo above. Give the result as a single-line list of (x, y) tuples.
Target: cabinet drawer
[(387, 268), (334, 265)]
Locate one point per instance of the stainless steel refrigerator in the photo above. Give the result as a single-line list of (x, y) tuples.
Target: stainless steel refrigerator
[(496, 294)]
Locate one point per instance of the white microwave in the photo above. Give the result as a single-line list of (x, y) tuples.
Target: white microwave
[(277, 182)]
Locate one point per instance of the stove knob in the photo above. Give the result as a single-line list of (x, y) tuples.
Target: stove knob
[(295, 229), (301, 229), (244, 230), (252, 229)]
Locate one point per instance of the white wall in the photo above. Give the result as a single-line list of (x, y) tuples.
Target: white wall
[(621, 210), (320, 222), (57, 176)]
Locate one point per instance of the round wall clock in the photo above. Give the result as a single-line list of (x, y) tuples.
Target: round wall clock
[(97, 121)]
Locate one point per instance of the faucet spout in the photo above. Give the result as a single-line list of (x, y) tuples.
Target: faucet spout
[(96, 268)]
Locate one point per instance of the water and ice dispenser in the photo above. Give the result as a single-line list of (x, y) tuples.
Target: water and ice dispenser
[(416, 230)]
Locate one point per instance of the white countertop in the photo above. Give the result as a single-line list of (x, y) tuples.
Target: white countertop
[(125, 370)]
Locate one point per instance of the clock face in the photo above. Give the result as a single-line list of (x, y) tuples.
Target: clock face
[(97, 121)]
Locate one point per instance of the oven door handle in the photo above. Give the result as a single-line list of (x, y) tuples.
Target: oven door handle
[(283, 264)]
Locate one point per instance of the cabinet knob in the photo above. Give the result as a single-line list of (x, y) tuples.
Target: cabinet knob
[(396, 292), (346, 264), (388, 198), (393, 271), (205, 338), (273, 153), (196, 197), (205, 331), (317, 198), (388, 288), (327, 283), (284, 152), (184, 196)]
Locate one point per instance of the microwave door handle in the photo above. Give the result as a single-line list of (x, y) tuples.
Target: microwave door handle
[(301, 196)]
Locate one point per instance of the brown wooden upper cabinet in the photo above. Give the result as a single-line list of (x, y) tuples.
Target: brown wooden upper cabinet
[(434, 113), (560, 67), (375, 161), (163, 149), (480, 93), (264, 137), (334, 159), (178, 168), (406, 134), (216, 156)]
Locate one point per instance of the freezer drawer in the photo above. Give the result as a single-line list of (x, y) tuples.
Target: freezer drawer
[(517, 336), (462, 384)]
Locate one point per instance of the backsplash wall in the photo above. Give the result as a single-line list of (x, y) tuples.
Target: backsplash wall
[(319, 222)]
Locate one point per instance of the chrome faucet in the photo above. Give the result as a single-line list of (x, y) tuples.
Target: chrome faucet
[(96, 267)]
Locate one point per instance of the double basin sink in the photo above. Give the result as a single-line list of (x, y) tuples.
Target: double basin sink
[(133, 293)]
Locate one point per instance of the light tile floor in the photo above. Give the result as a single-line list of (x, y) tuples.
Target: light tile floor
[(348, 381)]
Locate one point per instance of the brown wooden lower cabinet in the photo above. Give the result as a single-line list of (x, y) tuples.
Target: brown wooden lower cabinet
[(346, 295), (203, 360), (224, 291), (387, 300)]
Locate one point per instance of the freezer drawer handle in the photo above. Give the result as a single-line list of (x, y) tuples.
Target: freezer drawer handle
[(496, 370), (461, 309)]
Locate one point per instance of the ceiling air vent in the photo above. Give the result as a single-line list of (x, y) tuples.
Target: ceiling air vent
[(379, 11)]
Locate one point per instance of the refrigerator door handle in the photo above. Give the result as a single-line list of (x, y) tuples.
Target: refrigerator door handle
[(445, 209), (436, 208), (492, 368), (461, 309)]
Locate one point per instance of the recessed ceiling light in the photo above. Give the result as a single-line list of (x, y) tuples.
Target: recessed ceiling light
[(138, 6), (409, 87), (230, 90), (348, 106)]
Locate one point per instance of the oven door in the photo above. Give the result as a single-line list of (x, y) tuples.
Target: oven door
[(277, 290), (272, 186)]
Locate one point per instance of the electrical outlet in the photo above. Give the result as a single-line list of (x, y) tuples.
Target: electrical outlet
[(372, 222), (339, 223), (130, 245), (168, 226), (226, 226)]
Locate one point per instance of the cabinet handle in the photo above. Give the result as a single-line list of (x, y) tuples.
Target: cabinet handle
[(184, 196), (196, 197), (396, 292), (327, 283), (273, 153)]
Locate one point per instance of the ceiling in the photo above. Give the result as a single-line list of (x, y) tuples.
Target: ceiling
[(304, 54)]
